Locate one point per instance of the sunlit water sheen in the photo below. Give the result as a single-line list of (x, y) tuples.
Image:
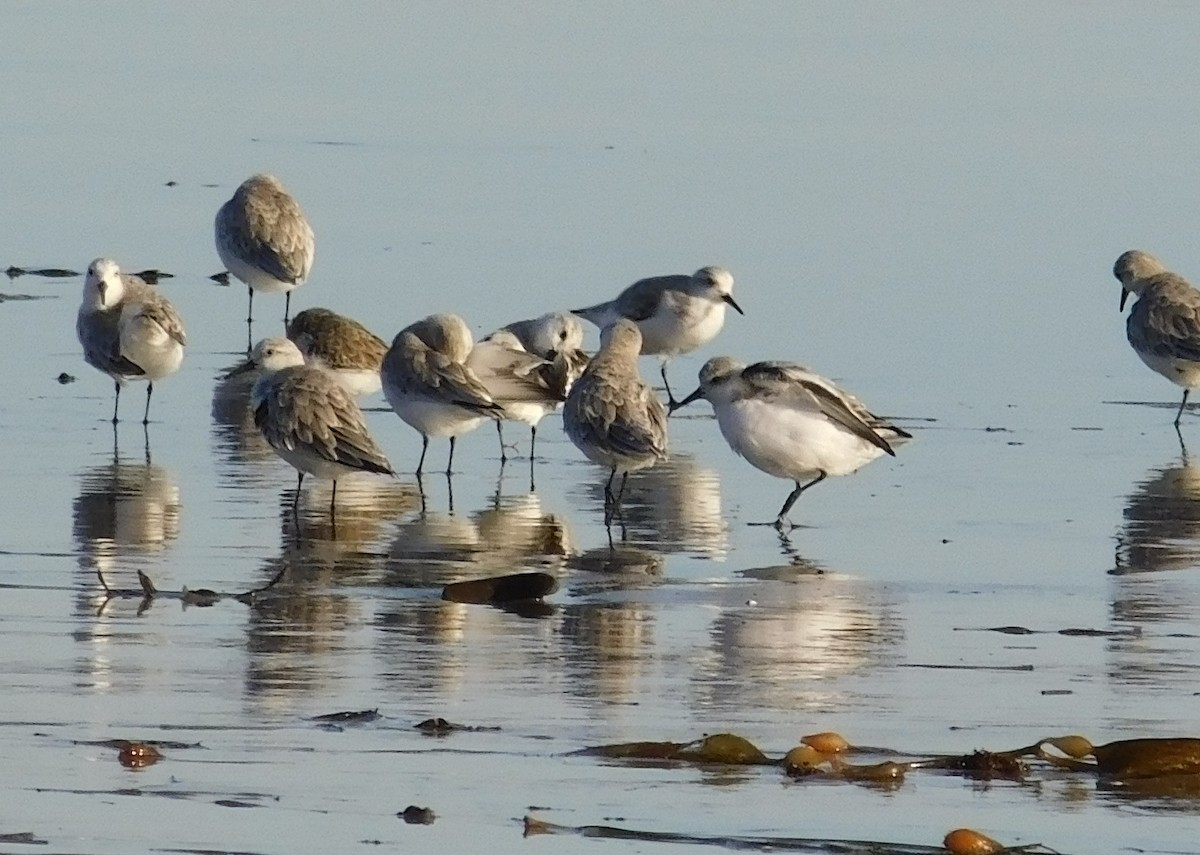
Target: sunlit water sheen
[(921, 204)]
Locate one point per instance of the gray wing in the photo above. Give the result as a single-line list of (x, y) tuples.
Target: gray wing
[(1165, 321), (148, 302), (269, 231), (511, 376), (307, 408), (100, 335), (788, 383), (629, 420), (640, 300), (417, 370)]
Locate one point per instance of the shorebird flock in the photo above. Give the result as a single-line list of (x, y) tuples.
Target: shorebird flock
[(782, 418)]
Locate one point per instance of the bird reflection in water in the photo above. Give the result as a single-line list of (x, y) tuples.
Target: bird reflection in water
[(125, 516), (514, 533), (1162, 520), (676, 505), (1161, 532), (296, 635), (236, 438), (799, 629)]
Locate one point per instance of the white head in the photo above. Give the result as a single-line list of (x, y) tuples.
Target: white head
[(103, 286), (275, 354), (719, 376), (715, 283), (558, 332)]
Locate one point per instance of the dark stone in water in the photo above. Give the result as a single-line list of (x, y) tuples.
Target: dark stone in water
[(65, 378), (501, 589), (414, 815), (221, 278)]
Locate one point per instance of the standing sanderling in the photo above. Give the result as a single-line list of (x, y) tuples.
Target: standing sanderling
[(792, 423), (1164, 324), (128, 329), (427, 382), (309, 418), (676, 314), (612, 416), (517, 380), (344, 346), (556, 337), (264, 239)]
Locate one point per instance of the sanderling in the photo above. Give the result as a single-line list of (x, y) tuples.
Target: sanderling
[(128, 329), (792, 423), (264, 239), (520, 381), (557, 337), (344, 346), (676, 314), (309, 418), (612, 416), (1164, 324), (427, 382)]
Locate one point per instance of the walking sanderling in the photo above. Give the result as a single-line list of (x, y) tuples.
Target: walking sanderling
[(676, 314), (792, 423), (427, 382), (128, 329), (1164, 324), (342, 345), (525, 384), (612, 416), (309, 418), (264, 239)]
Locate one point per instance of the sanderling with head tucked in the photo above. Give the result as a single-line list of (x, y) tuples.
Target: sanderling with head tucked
[(1164, 325), (427, 382), (309, 418), (128, 329), (342, 345), (792, 423), (264, 239), (676, 314), (612, 416)]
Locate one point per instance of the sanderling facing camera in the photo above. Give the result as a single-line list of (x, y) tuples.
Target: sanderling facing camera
[(792, 423), (128, 329), (350, 351), (675, 314), (612, 416), (427, 382), (309, 418), (1164, 325), (264, 239)]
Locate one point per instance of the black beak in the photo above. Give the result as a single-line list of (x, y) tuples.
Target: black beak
[(237, 370), (675, 405), (1124, 297), (728, 298)]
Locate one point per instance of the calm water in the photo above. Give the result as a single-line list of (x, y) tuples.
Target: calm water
[(923, 203)]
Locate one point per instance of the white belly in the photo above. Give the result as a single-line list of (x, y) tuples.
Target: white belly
[(676, 329), (1181, 372), (256, 278), (434, 418), (792, 444)]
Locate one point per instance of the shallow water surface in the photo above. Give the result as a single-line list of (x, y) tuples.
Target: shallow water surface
[(923, 204)]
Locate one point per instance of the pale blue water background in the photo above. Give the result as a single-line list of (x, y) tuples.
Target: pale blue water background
[(923, 202)]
